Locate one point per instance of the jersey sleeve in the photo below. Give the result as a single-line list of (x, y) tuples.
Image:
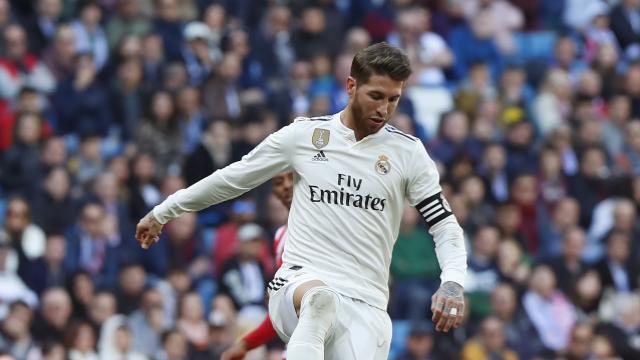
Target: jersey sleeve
[(270, 157), (423, 187), (424, 192)]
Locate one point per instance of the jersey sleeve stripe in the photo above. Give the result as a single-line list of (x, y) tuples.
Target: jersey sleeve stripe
[(434, 209)]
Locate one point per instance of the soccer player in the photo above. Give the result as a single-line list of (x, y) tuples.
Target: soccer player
[(352, 175), (282, 186)]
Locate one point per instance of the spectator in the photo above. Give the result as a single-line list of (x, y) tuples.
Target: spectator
[(552, 106), (624, 327), (178, 248), (480, 213), (476, 87), (427, 51), (93, 245), (590, 185), (59, 55), (490, 343), (617, 269), (153, 60), (22, 159), (41, 27), (13, 288), (580, 342), (631, 88), (568, 266), (80, 287), (221, 98), (414, 276), (625, 24), (53, 319), (19, 68), (115, 340), (453, 139), (148, 323), (54, 209), (242, 276), (169, 26), (27, 240), (174, 346), (127, 97), (513, 263), (191, 322), (103, 306), (109, 193), (81, 102), (48, 270), (524, 194), (549, 310), (190, 117), (492, 169), (586, 294), (614, 129), (15, 335), (127, 20), (495, 19), (81, 341), (419, 344), (88, 163), (482, 273), (199, 59), (273, 44), (521, 335), (313, 35), (551, 180), (144, 191), (159, 134), (630, 157), (89, 34)]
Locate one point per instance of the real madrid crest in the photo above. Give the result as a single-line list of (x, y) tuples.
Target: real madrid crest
[(383, 166), (320, 138)]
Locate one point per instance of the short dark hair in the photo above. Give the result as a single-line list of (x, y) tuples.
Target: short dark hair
[(380, 59)]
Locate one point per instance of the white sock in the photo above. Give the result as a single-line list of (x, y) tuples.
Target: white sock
[(318, 311)]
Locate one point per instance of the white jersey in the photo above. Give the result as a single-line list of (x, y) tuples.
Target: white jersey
[(347, 202)]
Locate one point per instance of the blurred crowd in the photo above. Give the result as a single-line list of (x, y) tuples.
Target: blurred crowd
[(530, 108)]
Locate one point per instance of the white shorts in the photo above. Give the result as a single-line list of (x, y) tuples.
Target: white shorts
[(361, 332)]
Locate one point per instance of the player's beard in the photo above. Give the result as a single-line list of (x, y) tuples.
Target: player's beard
[(361, 121)]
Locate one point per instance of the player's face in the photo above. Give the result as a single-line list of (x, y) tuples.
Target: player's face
[(283, 188), (373, 102)]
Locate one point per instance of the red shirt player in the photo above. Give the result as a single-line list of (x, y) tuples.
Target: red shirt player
[(282, 185)]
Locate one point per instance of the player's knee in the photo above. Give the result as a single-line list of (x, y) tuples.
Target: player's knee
[(320, 303)]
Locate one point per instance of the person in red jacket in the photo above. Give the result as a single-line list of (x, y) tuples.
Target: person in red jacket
[(282, 185)]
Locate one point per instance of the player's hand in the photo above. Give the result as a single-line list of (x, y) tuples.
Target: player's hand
[(447, 306), (148, 231), (236, 352)]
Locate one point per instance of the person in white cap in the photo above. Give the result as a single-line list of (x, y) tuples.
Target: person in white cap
[(352, 175), (199, 57)]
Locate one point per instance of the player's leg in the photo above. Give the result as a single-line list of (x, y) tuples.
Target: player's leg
[(317, 306), (361, 332)]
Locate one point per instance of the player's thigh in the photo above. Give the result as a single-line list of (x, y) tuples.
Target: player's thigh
[(362, 332), (281, 305)]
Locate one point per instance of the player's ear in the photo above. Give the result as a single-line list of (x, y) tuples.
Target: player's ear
[(351, 86)]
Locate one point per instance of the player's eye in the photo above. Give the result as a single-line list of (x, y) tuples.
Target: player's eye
[(375, 96)]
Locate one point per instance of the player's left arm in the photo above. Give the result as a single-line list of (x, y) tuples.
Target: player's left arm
[(424, 192)]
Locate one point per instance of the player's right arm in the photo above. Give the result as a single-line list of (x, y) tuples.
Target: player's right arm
[(270, 157)]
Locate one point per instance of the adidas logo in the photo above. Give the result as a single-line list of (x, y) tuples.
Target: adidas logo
[(320, 156)]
